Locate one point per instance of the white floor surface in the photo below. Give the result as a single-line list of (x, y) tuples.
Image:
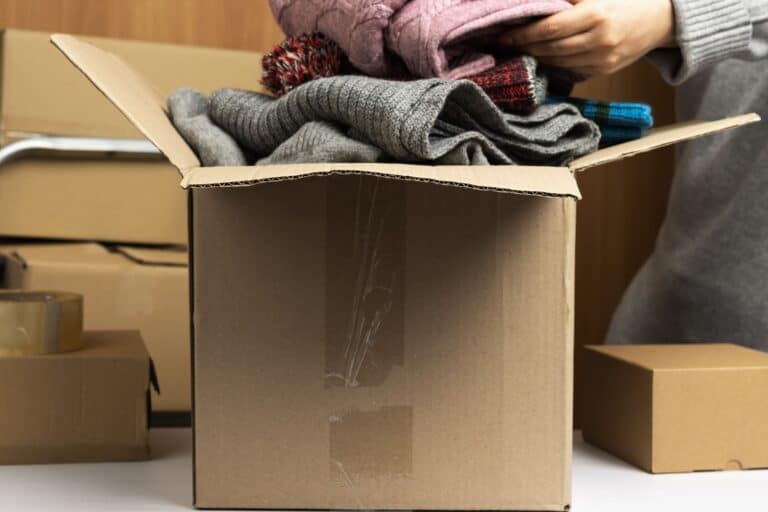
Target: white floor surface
[(601, 483)]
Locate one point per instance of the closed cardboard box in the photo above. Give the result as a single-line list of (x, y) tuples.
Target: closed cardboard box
[(90, 405), (124, 288), (678, 408), (102, 198), (377, 336)]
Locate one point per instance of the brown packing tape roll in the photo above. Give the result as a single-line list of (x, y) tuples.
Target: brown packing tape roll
[(41, 322)]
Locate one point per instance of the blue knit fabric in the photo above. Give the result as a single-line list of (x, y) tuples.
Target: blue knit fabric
[(611, 113), (618, 121), (610, 135)]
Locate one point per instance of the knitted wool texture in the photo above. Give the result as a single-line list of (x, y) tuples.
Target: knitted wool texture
[(434, 38), (300, 59), (515, 85), (189, 113), (618, 121), (612, 113), (319, 141), (430, 120), (611, 135)]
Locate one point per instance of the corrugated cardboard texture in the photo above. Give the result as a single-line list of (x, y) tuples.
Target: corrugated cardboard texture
[(660, 137), (477, 412), (706, 409), (83, 406), (523, 180), (120, 293)]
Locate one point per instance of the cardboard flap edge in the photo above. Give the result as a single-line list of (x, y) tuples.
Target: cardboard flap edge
[(660, 137), (521, 180), (138, 101)]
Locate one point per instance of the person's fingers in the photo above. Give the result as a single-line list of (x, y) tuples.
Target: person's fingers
[(579, 18), (572, 45)]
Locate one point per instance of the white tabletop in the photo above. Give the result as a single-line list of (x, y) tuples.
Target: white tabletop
[(600, 483)]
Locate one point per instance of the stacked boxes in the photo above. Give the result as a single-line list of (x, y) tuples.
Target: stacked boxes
[(48, 197), (125, 288)]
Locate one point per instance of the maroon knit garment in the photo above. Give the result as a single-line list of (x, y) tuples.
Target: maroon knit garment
[(300, 59), (514, 85)]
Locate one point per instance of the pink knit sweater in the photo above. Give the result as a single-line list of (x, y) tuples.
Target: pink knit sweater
[(433, 37)]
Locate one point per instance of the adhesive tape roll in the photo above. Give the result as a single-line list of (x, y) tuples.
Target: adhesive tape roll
[(35, 323)]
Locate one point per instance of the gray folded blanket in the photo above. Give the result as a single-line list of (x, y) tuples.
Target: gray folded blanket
[(358, 118)]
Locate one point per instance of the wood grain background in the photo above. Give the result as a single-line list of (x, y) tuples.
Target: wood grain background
[(623, 203)]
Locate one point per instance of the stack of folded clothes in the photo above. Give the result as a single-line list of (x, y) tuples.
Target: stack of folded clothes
[(401, 80)]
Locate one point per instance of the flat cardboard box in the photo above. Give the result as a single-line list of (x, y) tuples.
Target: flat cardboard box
[(124, 288), (100, 198), (678, 408), (90, 405), (377, 336)]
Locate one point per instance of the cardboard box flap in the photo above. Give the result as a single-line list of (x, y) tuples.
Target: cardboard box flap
[(660, 137), (132, 95), (169, 257), (515, 179)]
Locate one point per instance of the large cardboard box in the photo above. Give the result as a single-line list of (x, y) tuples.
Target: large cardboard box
[(90, 405), (377, 336), (678, 408), (125, 200), (124, 288)]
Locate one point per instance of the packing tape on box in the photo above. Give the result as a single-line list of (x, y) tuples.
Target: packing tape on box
[(36, 323)]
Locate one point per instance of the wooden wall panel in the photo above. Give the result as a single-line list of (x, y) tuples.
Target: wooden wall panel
[(240, 24), (623, 203)]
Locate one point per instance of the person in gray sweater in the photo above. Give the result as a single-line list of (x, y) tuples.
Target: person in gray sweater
[(707, 279)]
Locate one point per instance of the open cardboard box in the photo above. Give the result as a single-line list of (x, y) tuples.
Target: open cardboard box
[(377, 336)]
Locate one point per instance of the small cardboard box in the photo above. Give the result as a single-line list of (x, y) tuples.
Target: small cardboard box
[(678, 408), (124, 288), (41, 94), (377, 336), (90, 405)]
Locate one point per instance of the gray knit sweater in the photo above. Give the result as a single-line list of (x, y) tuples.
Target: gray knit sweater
[(434, 121), (707, 279)]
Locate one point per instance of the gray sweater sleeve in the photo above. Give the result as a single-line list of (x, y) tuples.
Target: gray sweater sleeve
[(708, 31)]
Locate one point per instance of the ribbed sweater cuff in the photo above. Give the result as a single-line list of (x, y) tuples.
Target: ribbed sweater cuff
[(709, 31)]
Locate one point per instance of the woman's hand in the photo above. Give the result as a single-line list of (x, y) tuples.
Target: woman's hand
[(597, 36)]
